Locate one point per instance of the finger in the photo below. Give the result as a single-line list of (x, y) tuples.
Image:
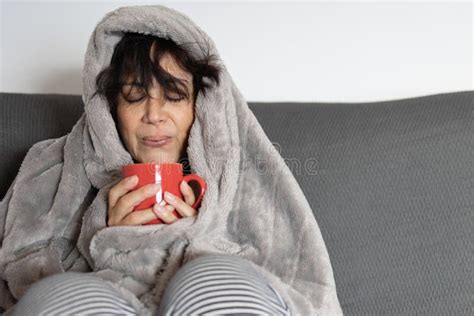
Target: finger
[(127, 202), (187, 193), (121, 188), (165, 213), (139, 217), (184, 209)]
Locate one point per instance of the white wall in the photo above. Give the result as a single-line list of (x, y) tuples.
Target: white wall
[(350, 51)]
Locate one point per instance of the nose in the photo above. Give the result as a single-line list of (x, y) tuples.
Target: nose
[(154, 110)]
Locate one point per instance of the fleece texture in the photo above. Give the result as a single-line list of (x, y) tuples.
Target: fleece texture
[(53, 217)]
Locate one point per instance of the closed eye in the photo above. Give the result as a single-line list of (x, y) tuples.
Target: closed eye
[(136, 93), (133, 93), (175, 99), (137, 100)]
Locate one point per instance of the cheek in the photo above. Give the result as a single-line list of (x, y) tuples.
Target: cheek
[(187, 119), (125, 123), (183, 119), (121, 121)]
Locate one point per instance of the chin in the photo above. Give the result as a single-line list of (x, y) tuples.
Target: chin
[(160, 158)]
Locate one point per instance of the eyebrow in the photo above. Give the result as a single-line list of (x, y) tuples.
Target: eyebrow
[(136, 83), (185, 80), (188, 86)]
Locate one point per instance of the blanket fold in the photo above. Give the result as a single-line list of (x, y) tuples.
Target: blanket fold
[(53, 217)]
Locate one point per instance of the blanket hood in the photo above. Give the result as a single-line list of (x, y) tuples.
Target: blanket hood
[(103, 136)]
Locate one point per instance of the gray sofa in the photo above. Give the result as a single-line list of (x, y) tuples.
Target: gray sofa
[(390, 184)]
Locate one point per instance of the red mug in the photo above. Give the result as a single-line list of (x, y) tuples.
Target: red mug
[(169, 175)]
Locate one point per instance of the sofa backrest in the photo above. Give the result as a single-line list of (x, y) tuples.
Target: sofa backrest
[(390, 185), (29, 118)]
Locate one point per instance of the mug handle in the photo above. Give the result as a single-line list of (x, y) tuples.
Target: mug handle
[(202, 185)]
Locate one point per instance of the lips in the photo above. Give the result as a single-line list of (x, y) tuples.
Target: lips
[(156, 141), (155, 138)]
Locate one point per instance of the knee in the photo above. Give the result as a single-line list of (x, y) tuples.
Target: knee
[(55, 281), (46, 290), (230, 264), (219, 259), (217, 279)]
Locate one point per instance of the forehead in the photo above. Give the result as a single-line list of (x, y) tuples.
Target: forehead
[(168, 63)]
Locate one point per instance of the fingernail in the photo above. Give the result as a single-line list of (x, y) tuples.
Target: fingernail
[(170, 196), (160, 209), (132, 179), (153, 188)]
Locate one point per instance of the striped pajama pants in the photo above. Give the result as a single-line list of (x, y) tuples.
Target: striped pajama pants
[(213, 284)]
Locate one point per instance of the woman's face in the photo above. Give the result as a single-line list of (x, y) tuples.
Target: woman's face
[(156, 116)]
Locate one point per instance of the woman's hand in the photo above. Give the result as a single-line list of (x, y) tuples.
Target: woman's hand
[(122, 202), (184, 208)]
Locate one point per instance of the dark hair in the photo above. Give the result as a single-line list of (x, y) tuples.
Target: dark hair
[(131, 57)]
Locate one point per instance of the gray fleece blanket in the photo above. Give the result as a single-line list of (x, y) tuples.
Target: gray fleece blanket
[(53, 217)]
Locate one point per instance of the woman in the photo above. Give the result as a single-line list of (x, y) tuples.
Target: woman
[(142, 107), (152, 100), (75, 246)]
